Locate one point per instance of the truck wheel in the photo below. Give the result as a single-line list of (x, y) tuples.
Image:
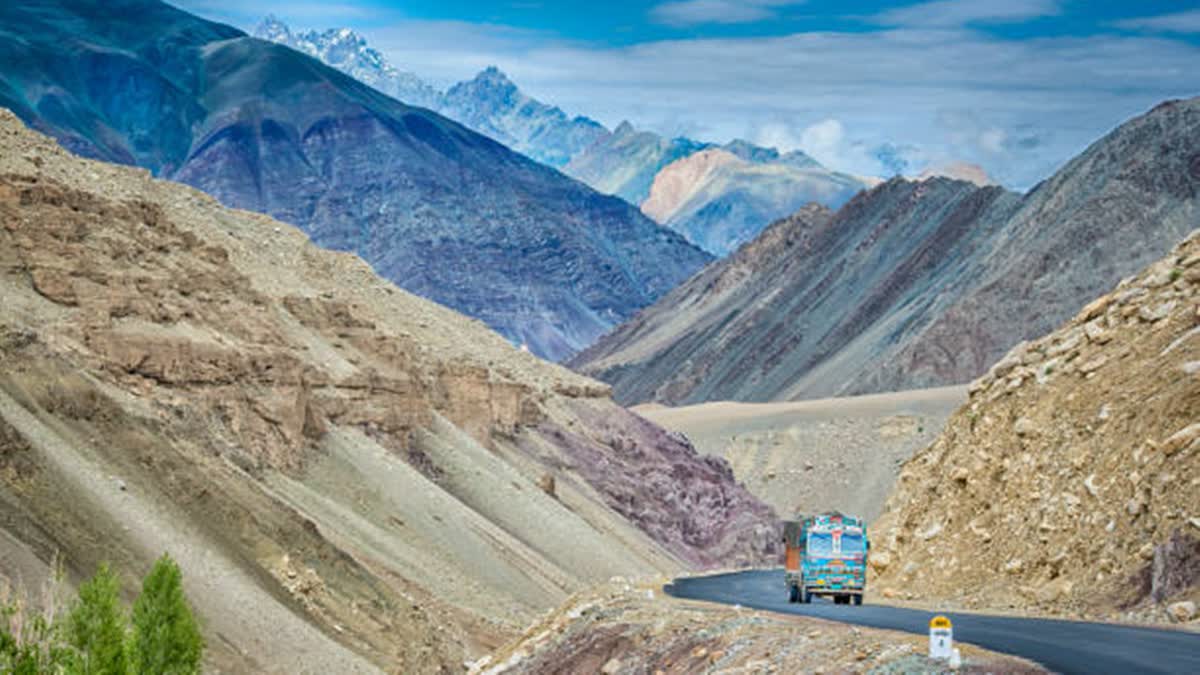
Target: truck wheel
[(857, 599), (793, 594), (806, 597)]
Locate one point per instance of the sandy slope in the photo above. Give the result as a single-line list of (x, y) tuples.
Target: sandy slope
[(841, 453), (350, 477), (231, 601)]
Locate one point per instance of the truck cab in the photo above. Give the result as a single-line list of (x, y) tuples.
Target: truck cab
[(826, 555)]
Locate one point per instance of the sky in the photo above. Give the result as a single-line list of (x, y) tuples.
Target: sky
[(872, 88)]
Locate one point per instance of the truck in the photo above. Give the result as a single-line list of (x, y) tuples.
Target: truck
[(826, 555)]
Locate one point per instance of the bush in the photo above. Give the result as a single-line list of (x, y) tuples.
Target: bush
[(97, 627), (166, 639), (95, 637)]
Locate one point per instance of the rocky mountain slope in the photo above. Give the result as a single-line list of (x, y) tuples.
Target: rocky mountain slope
[(720, 210), (492, 105), (352, 478), (446, 213), (1069, 481), (806, 305), (719, 200), (912, 284)]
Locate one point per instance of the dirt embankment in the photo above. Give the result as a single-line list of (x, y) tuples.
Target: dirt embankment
[(628, 627), (810, 456), (1069, 483), (351, 477)]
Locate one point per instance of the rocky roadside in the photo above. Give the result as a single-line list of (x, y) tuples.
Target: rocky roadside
[(1067, 486), (630, 626)]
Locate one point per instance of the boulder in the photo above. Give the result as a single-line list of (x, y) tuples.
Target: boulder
[(1182, 612), (1096, 334), (1151, 314), (1188, 437), (1176, 566), (1025, 427)]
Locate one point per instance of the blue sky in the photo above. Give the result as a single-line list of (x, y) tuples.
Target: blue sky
[(1017, 86)]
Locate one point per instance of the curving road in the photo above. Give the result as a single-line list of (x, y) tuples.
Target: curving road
[(1061, 646)]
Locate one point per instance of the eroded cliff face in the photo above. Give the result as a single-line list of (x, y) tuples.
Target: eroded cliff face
[(1068, 483), (351, 477)]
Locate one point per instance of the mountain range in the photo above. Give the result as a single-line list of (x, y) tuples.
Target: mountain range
[(351, 478), (723, 208), (442, 211), (914, 283)]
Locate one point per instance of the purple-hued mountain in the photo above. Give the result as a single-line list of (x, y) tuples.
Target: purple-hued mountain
[(723, 209), (437, 208), (913, 283)]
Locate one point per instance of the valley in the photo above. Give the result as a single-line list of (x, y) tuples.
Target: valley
[(770, 350)]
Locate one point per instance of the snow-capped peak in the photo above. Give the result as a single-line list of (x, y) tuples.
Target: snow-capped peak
[(348, 51)]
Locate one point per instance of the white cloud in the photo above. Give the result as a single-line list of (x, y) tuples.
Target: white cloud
[(698, 12), (956, 13), (992, 140), (902, 96), (775, 135), (823, 140), (1179, 22), (1019, 109)]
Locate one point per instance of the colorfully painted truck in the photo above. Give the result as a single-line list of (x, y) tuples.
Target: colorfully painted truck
[(826, 555)]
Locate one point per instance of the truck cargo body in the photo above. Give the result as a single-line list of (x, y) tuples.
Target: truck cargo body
[(826, 555)]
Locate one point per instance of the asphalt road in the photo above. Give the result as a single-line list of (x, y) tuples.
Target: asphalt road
[(1061, 646)]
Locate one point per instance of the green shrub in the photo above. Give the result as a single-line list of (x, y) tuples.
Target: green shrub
[(97, 627), (94, 638), (166, 639)]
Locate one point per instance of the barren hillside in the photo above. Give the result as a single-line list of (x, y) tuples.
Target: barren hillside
[(913, 284), (351, 477), (1069, 482)]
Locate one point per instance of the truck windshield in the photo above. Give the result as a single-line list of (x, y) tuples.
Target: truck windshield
[(852, 544), (820, 544)]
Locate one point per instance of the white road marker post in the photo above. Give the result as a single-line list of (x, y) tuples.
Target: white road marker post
[(941, 638)]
